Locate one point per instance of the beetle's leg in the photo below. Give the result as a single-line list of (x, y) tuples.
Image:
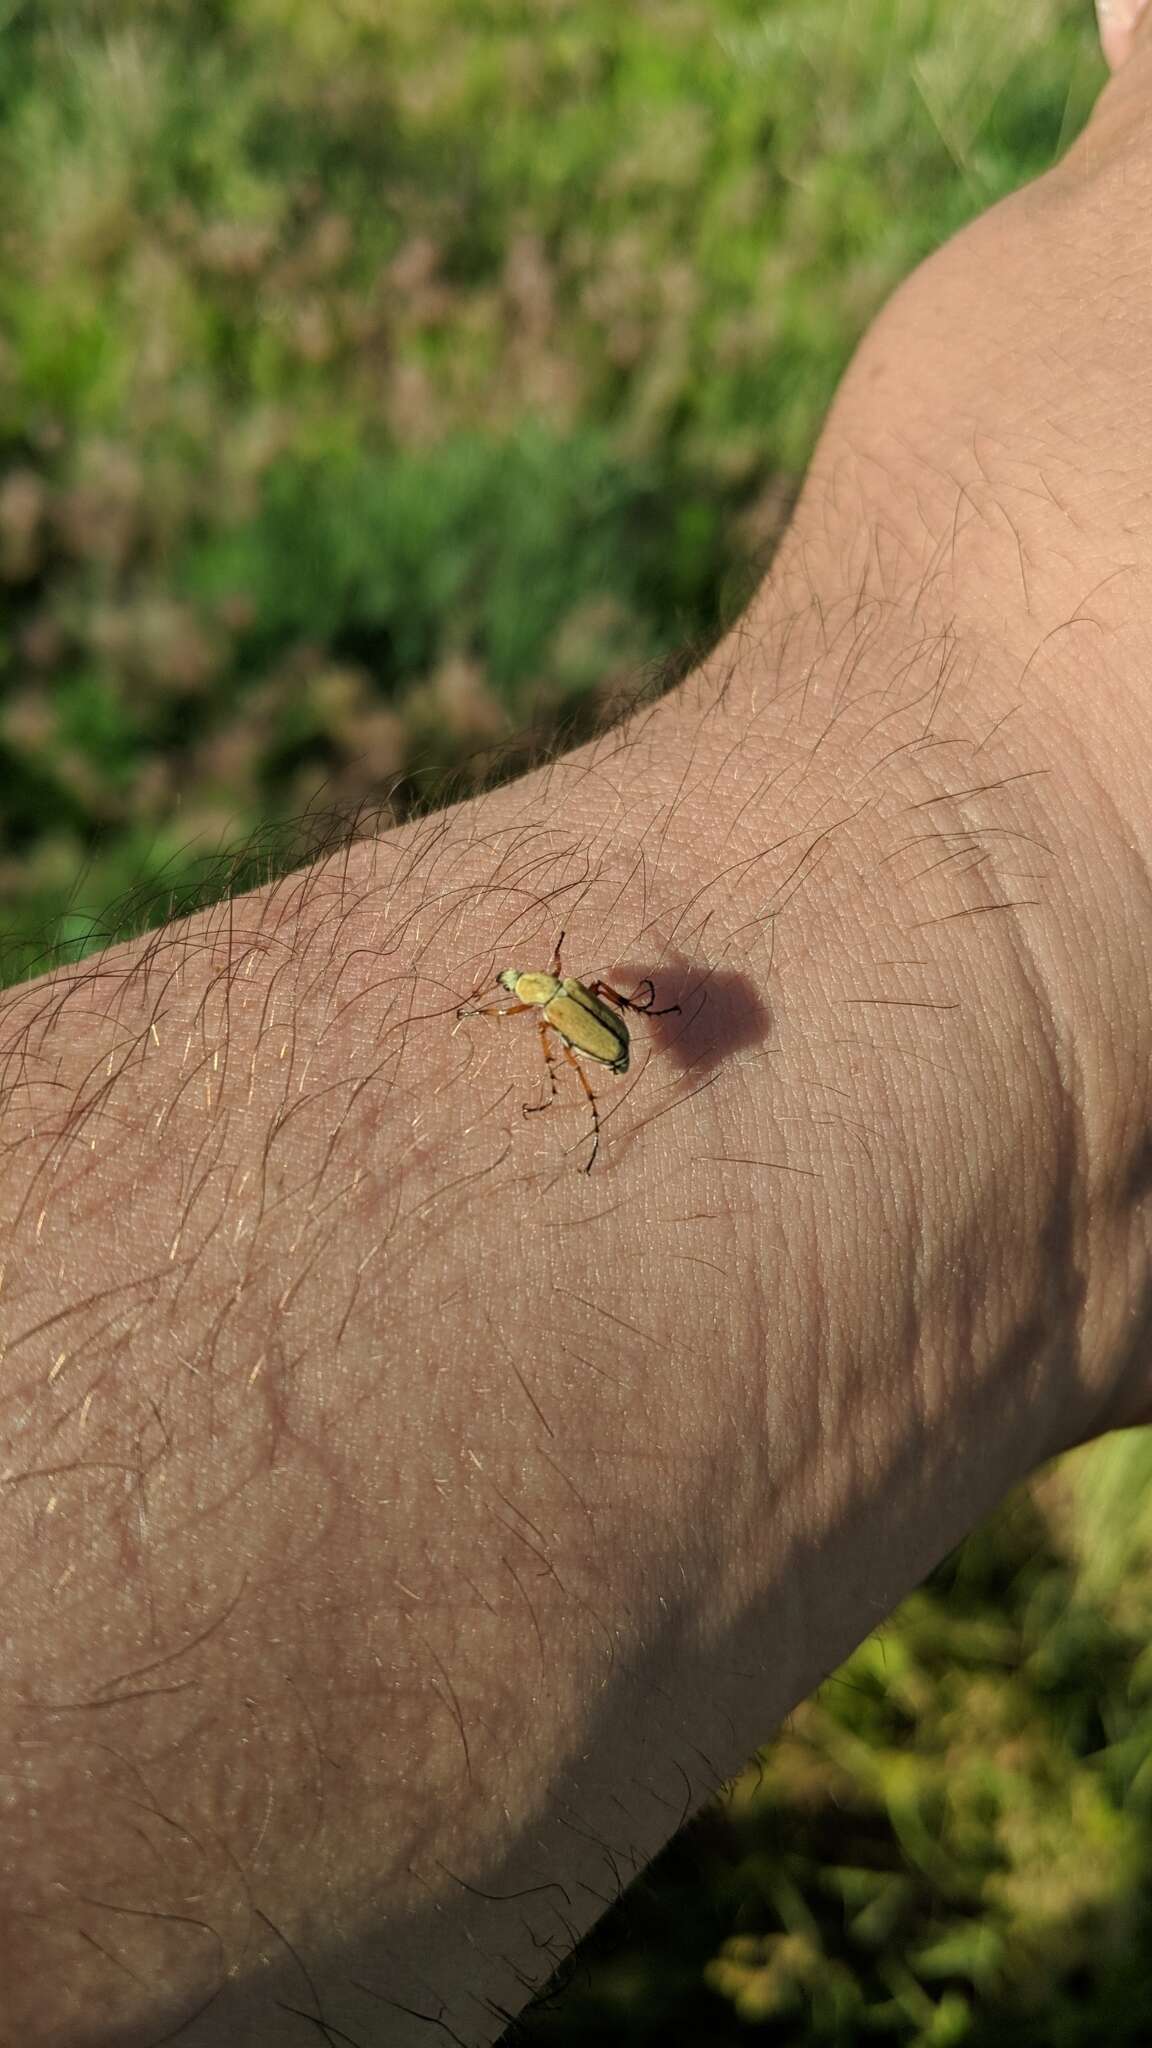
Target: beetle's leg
[(604, 988), (587, 1087), (530, 1108), (493, 1010)]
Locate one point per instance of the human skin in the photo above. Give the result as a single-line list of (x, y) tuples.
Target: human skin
[(1118, 22), (404, 1529)]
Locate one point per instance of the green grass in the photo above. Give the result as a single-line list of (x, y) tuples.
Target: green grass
[(376, 382)]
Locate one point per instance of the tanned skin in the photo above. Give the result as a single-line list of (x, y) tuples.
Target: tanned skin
[(403, 1529)]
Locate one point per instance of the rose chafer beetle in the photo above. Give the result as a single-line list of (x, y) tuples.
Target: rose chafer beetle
[(587, 1018)]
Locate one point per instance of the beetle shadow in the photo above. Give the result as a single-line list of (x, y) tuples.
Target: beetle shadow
[(720, 1012)]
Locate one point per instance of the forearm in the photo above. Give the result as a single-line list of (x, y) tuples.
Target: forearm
[(398, 1517)]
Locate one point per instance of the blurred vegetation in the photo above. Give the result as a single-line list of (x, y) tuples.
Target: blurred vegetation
[(379, 382)]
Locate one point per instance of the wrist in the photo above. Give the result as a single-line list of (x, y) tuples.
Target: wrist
[(1009, 797)]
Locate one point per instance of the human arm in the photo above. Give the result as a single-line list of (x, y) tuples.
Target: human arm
[(403, 1528)]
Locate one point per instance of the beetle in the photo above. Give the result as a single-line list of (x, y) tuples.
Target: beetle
[(587, 1018)]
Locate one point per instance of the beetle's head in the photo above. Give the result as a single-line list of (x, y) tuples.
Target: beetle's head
[(509, 978)]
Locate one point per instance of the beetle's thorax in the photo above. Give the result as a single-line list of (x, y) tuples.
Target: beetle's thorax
[(533, 987)]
